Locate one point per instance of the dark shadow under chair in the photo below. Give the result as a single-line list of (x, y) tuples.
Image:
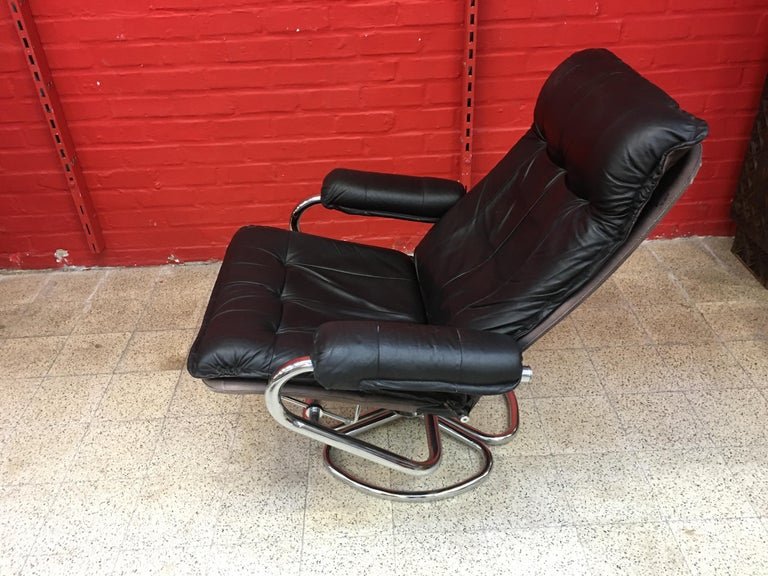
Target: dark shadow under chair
[(296, 316)]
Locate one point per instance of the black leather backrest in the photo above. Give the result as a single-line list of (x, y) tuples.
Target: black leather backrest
[(672, 185), (551, 213)]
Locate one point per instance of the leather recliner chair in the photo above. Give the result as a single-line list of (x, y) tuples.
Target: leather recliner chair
[(298, 316)]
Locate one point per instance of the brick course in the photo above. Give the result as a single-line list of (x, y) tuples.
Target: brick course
[(191, 119)]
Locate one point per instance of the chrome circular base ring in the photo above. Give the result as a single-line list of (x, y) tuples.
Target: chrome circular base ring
[(452, 430)]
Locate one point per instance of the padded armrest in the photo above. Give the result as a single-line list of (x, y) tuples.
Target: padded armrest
[(375, 356), (395, 196)]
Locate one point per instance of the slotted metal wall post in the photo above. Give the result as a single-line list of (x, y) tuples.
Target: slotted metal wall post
[(45, 90), (470, 29)]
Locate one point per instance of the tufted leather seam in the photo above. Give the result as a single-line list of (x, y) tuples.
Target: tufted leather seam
[(544, 191), (478, 208), (651, 183), (313, 267), (479, 303), (285, 263), (366, 305)]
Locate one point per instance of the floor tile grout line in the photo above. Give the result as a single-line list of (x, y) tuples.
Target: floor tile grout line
[(561, 483), (550, 451), (700, 417), (679, 547), (633, 311), (87, 299), (157, 441), (634, 455), (618, 392), (747, 495), (675, 534), (673, 277), (719, 451), (42, 285), (724, 345), (68, 336), (691, 304), (713, 254), (87, 430), (42, 522), (582, 545), (721, 344), (98, 285), (721, 266), (307, 487), (130, 339), (151, 293), (99, 420), (230, 448), (23, 411), (548, 441), (140, 487), (731, 470), (660, 521), (611, 404), (739, 362), (393, 524)]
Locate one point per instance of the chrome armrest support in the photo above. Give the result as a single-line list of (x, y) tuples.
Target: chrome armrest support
[(339, 438), (299, 210)]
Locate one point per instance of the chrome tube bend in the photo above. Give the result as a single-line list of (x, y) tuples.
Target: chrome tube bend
[(427, 495), (338, 438), (299, 210)]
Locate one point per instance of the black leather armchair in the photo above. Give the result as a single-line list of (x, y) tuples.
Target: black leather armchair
[(299, 316)]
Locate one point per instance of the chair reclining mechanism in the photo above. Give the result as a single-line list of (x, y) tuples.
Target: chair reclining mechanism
[(297, 316)]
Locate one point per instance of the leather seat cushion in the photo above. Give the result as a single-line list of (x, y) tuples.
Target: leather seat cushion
[(276, 287)]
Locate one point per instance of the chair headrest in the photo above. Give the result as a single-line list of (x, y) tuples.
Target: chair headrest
[(613, 131)]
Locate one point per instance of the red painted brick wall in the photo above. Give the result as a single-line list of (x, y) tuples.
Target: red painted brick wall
[(192, 118)]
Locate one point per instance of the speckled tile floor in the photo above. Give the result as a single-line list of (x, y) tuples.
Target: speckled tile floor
[(643, 446)]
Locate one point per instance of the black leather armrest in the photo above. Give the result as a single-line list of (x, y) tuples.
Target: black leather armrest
[(395, 196), (380, 356)]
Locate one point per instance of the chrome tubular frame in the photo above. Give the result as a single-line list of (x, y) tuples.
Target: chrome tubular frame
[(344, 438), (299, 210), (336, 437), (513, 418), (447, 426)]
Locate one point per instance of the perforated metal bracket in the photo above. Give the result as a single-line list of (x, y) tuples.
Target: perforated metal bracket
[(45, 90), (470, 31)]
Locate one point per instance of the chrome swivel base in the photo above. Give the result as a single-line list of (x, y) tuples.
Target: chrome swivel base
[(448, 426), (344, 437)]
